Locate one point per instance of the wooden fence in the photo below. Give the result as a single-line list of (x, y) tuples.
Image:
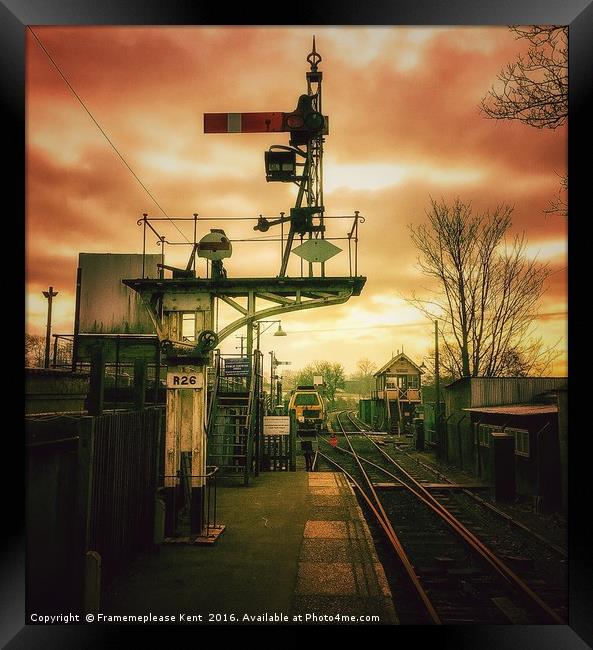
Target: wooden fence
[(91, 486)]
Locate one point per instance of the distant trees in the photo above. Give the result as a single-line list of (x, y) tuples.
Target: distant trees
[(535, 89), (487, 291), (34, 351), (333, 377)]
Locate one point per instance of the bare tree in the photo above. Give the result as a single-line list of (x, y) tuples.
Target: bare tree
[(364, 376), (559, 205), (487, 290), (535, 89), (34, 351), (533, 359)]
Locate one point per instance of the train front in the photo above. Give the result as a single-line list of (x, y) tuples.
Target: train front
[(309, 409)]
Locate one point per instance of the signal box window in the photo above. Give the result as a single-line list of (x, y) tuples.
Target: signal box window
[(484, 431), (303, 399), (188, 325), (521, 441)]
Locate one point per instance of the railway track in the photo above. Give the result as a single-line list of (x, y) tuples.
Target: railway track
[(451, 575)]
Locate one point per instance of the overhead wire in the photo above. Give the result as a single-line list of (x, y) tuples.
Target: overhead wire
[(125, 162)]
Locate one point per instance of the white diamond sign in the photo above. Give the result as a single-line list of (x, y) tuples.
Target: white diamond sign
[(316, 250)]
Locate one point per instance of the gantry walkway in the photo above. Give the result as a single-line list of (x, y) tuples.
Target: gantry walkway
[(296, 546)]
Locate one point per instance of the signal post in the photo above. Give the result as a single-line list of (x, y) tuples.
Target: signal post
[(167, 299)]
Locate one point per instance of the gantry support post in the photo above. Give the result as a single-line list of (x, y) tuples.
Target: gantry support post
[(186, 418)]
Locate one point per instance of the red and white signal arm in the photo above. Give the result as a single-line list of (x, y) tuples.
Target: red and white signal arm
[(267, 122), (243, 122)]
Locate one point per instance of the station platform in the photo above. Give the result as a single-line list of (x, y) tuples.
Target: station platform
[(296, 550)]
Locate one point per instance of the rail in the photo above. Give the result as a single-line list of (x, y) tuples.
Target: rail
[(386, 525), (420, 492)]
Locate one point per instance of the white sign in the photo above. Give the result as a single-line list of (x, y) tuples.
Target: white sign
[(276, 425), (185, 380), (317, 380), (316, 250)]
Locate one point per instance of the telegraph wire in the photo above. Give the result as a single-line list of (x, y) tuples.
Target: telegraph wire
[(57, 67)]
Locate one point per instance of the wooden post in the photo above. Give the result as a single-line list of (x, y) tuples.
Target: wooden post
[(76, 319), (503, 461), (139, 383), (419, 433), (292, 434), (97, 381), (92, 586)]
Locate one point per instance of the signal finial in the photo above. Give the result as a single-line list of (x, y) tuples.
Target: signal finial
[(314, 58)]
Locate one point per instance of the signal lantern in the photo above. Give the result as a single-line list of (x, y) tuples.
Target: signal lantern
[(280, 165), (304, 123)]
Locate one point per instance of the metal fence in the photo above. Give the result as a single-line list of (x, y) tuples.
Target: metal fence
[(276, 453), (124, 482)]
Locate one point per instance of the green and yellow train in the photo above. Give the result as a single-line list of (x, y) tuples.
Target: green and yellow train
[(309, 408)]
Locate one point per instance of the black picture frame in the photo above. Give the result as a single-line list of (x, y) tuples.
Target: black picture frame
[(15, 15)]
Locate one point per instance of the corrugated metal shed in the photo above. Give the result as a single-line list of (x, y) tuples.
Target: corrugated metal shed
[(497, 391), (517, 409), (494, 391)]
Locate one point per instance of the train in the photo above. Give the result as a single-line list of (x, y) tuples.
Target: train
[(309, 407)]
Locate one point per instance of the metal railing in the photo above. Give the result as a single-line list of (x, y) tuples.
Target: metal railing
[(180, 504), (404, 394), (148, 224)]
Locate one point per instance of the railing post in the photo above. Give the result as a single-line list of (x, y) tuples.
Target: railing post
[(97, 381), (293, 428), (139, 383)]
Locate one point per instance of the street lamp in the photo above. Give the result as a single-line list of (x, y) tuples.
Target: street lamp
[(269, 323), (50, 294)]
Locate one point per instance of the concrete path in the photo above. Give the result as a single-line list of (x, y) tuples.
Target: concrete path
[(296, 549)]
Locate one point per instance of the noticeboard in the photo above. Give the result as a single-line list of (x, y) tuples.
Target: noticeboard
[(237, 367), (276, 425)]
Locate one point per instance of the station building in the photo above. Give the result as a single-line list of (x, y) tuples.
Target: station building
[(397, 393), (530, 410)]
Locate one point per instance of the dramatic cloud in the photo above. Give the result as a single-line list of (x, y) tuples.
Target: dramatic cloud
[(404, 127)]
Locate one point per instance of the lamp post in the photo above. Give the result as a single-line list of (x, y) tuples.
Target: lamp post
[(437, 387), (242, 347), (278, 332), (274, 363), (49, 294), (272, 369)]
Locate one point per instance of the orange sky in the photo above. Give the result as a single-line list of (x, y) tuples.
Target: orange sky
[(404, 126)]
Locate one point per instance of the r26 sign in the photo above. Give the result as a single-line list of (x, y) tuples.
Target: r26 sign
[(184, 380)]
